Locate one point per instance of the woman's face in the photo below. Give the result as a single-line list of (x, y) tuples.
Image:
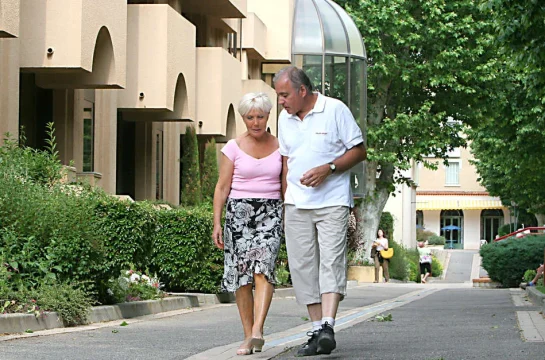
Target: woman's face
[(380, 233), (256, 122)]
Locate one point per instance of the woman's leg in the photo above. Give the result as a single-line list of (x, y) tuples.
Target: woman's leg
[(245, 304), (377, 267), (262, 302), (385, 269)]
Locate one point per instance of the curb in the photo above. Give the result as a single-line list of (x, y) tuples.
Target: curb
[(535, 296), (17, 323), (228, 298)]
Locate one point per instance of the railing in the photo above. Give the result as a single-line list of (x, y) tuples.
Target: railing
[(525, 232)]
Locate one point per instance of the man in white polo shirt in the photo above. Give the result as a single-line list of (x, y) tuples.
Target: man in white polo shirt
[(319, 141)]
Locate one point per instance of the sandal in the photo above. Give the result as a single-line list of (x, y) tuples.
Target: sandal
[(257, 344), (243, 350)]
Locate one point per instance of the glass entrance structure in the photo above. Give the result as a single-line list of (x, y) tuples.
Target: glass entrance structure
[(329, 47)]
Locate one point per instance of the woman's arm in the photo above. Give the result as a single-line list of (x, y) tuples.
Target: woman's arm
[(223, 187)]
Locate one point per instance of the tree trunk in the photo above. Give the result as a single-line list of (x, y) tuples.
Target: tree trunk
[(540, 219), (370, 209)]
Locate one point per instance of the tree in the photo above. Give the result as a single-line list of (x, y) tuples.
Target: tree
[(510, 149), (209, 171), (430, 62), (191, 179)]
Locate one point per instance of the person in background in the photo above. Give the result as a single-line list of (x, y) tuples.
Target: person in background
[(249, 182), (319, 141), (539, 273), (425, 262), (381, 243)]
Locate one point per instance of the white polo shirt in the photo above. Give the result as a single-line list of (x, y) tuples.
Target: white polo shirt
[(325, 134)]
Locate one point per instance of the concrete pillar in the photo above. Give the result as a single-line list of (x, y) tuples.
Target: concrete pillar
[(144, 170), (171, 162), (9, 88), (106, 138)]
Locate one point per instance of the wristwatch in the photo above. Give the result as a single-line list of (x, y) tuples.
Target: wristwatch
[(332, 167)]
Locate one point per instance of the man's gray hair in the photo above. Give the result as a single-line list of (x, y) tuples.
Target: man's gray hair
[(296, 76), (258, 101)]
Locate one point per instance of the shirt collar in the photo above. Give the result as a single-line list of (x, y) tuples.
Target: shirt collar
[(319, 106)]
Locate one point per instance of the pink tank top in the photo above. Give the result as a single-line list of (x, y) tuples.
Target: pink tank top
[(253, 178)]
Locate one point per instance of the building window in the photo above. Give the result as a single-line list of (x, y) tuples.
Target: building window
[(451, 227), (419, 219), (88, 137), (159, 165), (491, 220), (452, 174)]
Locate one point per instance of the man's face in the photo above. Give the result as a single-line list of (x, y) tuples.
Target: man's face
[(291, 99)]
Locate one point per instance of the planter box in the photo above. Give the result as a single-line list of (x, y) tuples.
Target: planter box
[(363, 274)]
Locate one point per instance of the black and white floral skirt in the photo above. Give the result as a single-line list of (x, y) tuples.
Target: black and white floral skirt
[(252, 233)]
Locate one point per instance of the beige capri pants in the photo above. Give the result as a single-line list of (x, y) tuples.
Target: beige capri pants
[(316, 244)]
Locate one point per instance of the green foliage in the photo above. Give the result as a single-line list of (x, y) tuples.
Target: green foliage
[(134, 286), (126, 230), (70, 301), (424, 235), (506, 261), (191, 179), (508, 228), (209, 171), (387, 225), (529, 275), (184, 256), (399, 263), (436, 240)]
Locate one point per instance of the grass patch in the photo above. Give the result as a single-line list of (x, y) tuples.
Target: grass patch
[(541, 288)]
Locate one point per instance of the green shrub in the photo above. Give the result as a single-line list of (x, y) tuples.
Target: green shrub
[(191, 178), (399, 263), (126, 230), (184, 257), (71, 301), (210, 171), (508, 228), (506, 261), (387, 225), (436, 240), (424, 235)]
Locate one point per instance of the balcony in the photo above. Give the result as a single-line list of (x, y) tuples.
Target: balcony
[(277, 17), (161, 66), (254, 36), (261, 86), (218, 91), (74, 43), (9, 18), (216, 8)]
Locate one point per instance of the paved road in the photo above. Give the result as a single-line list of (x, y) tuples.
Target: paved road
[(439, 320)]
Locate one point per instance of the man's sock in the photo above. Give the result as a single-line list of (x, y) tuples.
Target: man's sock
[(316, 325), (329, 320)]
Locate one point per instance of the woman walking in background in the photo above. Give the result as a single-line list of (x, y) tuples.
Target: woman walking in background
[(381, 243), (249, 186), (425, 262)]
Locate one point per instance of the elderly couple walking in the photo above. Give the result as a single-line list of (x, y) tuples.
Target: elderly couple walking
[(306, 170)]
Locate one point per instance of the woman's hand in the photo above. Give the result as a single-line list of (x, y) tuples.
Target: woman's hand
[(217, 236)]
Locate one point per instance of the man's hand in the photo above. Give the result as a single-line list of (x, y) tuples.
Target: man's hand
[(316, 176)]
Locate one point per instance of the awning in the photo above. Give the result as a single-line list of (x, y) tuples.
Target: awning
[(457, 204)]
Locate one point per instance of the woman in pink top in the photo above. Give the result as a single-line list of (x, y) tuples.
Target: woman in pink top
[(249, 181)]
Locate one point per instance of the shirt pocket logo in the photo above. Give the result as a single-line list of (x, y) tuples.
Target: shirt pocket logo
[(321, 141)]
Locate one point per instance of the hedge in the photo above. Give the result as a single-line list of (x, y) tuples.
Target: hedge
[(506, 261)]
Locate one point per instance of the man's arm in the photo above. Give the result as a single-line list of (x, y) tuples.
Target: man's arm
[(317, 175)]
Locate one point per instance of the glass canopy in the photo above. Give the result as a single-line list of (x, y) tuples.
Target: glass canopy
[(327, 44)]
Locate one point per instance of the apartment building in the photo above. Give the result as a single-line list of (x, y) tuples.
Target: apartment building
[(121, 79), (450, 202)]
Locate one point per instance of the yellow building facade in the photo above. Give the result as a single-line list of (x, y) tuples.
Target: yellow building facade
[(448, 201), (122, 79)]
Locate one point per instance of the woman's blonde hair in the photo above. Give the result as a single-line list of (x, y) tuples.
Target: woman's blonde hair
[(258, 101)]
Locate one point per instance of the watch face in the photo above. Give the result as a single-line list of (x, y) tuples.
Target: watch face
[(332, 167)]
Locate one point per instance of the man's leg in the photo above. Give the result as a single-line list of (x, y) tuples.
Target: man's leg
[(332, 225), (303, 259)]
